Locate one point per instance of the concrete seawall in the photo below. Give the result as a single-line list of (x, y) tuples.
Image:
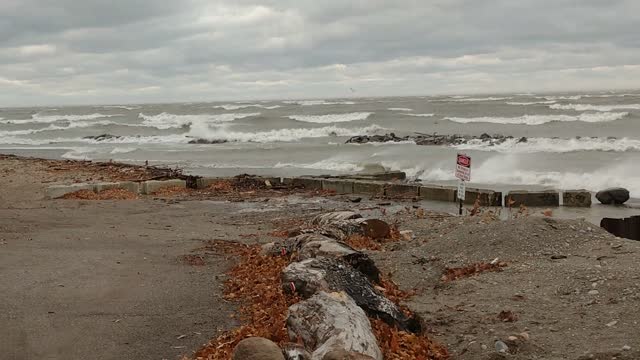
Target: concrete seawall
[(360, 185)]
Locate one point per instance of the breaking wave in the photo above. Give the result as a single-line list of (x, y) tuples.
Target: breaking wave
[(534, 145), (278, 135), (172, 121), (232, 107), (542, 119), (37, 118), (317, 102), (53, 127), (589, 107), (490, 98), (123, 150), (327, 164), (331, 118), (420, 115), (531, 102), (399, 109)]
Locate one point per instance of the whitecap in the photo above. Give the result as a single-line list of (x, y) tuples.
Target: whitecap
[(531, 102), (534, 145), (317, 102), (589, 107), (123, 150), (232, 107), (420, 115), (542, 119), (38, 118), (327, 164), (399, 109), (490, 98), (169, 121), (331, 118)]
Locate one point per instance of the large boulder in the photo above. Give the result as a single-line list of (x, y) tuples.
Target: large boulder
[(308, 277), (613, 196), (332, 322), (256, 348)]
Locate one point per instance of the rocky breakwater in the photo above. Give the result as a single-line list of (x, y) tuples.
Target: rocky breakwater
[(432, 139)]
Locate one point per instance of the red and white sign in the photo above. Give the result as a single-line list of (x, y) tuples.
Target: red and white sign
[(463, 167)]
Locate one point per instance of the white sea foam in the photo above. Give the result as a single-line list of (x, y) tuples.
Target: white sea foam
[(572, 97), (123, 150), (542, 119), (317, 102), (420, 115), (232, 107), (327, 164), (38, 118), (277, 135), (53, 127), (120, 107), (399, 109), (589, 107), (534, 145), (79, 153), (507, 170), (490, 98), (531, 102), (170, 121), (331, 118)]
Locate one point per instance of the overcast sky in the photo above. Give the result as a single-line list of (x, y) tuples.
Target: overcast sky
[(128, 51)]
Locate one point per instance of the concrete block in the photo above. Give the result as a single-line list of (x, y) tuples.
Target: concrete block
[(576, 198), (437, 193), (339, 186), (152, 186), (56, 191), (401, 190), (205, 182), (368, 188), (304, 182), (130, 186), (535, 198), (487, 197)]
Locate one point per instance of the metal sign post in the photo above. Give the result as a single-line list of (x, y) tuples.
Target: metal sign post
[(463, 172)]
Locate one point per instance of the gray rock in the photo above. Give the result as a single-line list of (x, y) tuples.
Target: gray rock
[(256, 348), (613, 196)]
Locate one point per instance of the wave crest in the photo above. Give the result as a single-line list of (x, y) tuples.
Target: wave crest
[(589, 107), (331, 118), (165, 120), (542, 119)]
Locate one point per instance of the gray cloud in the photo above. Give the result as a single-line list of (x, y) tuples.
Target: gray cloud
[(72, 51)]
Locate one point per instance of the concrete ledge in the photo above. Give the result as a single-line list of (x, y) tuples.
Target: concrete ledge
[(205, 182), (576, 198), (535, 198), (339, 186), (437, 193), (368, 188), (130, 186), (391, 189), (304, 182), (486, 197), (151, 186), (56, 191)]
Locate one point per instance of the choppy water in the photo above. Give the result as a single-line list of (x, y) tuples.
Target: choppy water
[(307, 137)]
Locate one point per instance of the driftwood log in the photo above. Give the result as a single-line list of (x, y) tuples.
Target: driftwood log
[(330, 322), (311, 276), (341, 225), (308, 246)]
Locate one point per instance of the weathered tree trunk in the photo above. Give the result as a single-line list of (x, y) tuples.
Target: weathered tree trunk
[(311, 276), (309, 246), (332, 322), (341, 225)]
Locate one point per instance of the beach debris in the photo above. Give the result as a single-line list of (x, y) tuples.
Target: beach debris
[(507, 316), (328, 322), (311, 276), (501, 347), (451, 274), (613, 196), (257, 348), (109, 194), (341, 225)]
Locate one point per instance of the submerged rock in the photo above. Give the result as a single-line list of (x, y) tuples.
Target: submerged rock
[(102, 137), (206, 141), (433, 139), (613, 196)]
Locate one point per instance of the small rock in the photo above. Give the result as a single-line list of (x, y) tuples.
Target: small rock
[(626, 348), (613, 323), (256, 348), (524, 336), (344, 355), (483, 347), (512, 338), (594, 292), (501, 347), (407, 235)]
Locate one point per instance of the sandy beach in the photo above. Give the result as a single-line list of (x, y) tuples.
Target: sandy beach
[(125, 279)]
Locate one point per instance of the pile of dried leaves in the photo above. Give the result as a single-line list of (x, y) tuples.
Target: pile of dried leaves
[(451, 274), (400, 345), (111, 194), (360, 242), (263, 304)]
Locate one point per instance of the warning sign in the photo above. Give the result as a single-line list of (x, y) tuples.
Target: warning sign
[(463, 167)]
